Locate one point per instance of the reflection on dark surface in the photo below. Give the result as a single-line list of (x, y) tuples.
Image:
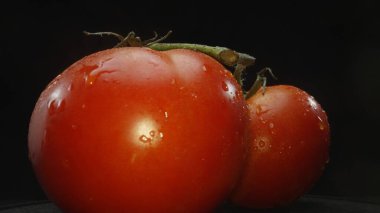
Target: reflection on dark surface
[(307, 204), (314, 204)]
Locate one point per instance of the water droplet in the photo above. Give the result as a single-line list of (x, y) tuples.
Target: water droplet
[(204, 68), (262, 120), (56, 102), (83, 106), (289, 147), (161, 134), (261, 143), (146, 133), (195, 96), (224, 86), (55, 106), (91, 78), (92, 73), (145, 139), (271, 125), (166, 115), (321, 126), (173, 81), (258, 109), (70, 87), (88, 69), (50, 104)]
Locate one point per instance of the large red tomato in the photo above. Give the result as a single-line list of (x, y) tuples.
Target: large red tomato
[(136, 130), (290, 144)]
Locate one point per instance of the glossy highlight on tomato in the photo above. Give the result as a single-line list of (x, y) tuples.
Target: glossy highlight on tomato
[(137, 130), (290, 147)]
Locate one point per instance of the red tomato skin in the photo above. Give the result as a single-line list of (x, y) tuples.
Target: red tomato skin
[(290, 147), (137, 130)]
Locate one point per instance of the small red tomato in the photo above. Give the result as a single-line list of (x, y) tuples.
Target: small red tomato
[(290, 147), (137, 130)]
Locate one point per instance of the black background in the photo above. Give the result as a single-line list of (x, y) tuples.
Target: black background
[(331, 50)]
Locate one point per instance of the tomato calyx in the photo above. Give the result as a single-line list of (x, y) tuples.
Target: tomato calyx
[(131, 40), (226, 56), (261, 81)]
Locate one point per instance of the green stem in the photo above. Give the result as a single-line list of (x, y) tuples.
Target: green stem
[(245, 60), (261, 81), (224, 55)]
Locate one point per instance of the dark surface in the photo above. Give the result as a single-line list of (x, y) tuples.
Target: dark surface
[(330, 49), (308, 204)]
